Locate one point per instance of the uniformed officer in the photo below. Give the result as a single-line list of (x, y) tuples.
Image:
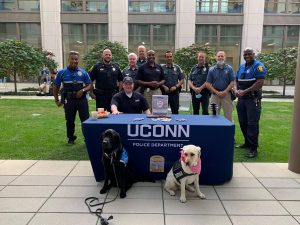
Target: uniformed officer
[(131, 70), (174, 78), (249, 80), (76, 82), (220, 81), (150, 77), (129, 101), (107, 76), (197, 84), (142, 55)]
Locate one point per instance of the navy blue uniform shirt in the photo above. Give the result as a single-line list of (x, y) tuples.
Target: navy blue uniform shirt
[(149, 73), (172, 74), (220, 78), (106, 76), (73, 80), (198, 77)]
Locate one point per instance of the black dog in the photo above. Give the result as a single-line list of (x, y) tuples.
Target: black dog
[(116, 165)]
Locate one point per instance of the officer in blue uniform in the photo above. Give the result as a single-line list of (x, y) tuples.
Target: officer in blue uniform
[(174, 78), (108, 78), (76, 82), (131, 70), (197, 84), (249, 81)]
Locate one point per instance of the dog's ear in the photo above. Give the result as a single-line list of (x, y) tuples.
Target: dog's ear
[(199, 151)]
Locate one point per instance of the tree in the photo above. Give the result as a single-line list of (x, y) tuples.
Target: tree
[(18, 58), (48, 60), (281, 65), (119, 53)]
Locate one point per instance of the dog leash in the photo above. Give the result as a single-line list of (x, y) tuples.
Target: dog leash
[(94, 202)]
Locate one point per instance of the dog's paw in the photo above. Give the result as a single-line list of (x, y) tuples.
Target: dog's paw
[(172, 193), (182, 200), (201, 195), (103, 190), (123, 195)]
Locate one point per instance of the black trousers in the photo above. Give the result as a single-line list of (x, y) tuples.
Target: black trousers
[(174, 102), (249, 111), (103, 101), (204, 100), (71, 107)]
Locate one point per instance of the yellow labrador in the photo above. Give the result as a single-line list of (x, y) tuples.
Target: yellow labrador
[(184, 172)]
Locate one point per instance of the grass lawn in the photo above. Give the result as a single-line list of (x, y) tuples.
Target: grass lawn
[(35, 129)]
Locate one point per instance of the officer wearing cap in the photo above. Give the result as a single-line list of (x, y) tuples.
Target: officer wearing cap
[(174, 78), (150, 77), (197, 84), (129, 101), (131, 70), (76, 82), (220, 81), (107, 77), (249, 81)]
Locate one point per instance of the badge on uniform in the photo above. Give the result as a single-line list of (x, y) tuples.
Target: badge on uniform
[(79, 73), (204, 69), (175, 69), (260, 68), (113, 69)]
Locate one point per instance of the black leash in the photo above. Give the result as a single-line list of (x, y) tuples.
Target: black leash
[(94, 202)]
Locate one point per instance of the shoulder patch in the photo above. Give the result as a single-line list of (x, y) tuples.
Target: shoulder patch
[(260, 68)]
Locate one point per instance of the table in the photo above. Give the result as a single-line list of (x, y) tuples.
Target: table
[(153, 146)]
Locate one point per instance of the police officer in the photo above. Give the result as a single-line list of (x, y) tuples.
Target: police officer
[(108, 77), (220, 81), (150, 77), (76, 82), (129, 101), (174, 78), (131, 70), (197, 84), (249, 80), (142, 55)]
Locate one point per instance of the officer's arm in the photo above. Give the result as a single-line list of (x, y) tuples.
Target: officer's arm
[(147, 111), (256, 86), (55, 94), (211, 88), (229, 87)]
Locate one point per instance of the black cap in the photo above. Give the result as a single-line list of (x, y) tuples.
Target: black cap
[(127, 79)]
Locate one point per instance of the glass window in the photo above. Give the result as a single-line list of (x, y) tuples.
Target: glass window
[(207, 6), (95, 33), (157, 6), (219, 6), (206, 34), (231, 6), (275, 6), (294, 7), (138, 34), (97, 6), (8, 31), (292, 36), (29, 5), (72, 6), (31, 33), (272, 38), (7, 5), (164, 6), (138, 6)]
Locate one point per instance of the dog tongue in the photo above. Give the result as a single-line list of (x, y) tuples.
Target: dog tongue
[(197, 169)]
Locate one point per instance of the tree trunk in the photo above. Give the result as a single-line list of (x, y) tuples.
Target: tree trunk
[(284, 86), (15, 81)]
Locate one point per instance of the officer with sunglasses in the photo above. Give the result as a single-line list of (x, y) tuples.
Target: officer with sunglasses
[(76, 82), (249, 81)]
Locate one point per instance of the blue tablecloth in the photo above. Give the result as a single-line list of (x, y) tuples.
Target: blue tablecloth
[(146, 138)]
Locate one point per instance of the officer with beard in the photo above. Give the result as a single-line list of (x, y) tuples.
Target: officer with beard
[(220, 81), (108, 80)]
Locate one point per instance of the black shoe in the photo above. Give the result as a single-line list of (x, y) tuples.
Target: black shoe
[(72, 140), (242, 146), (252, 154)]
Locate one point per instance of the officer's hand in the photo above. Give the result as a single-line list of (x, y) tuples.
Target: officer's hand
[(172, 89), (166, 89), (197, 90), (240, 93), (79, 94), (222, 93), (154, 84), (93, 96), (116, 112), (59, 104)]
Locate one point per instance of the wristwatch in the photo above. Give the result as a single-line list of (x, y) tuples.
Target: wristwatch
[(83, 90)]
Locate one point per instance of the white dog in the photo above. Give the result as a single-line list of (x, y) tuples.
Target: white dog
[(184, 172)]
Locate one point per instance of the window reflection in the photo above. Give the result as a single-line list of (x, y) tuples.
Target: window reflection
[(219, 6), (31, 34), (8, 31), (96, 6), (157, 6), (29, 5), (72, 6), (7, 5)]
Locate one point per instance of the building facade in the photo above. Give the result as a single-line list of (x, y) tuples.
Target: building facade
[(230, 25)]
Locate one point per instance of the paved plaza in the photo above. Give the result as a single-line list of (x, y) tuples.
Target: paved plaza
[(52, 193)]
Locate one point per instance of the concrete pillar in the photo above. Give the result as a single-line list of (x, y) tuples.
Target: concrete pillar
[(185, 23), (253, 25), (51, 28), (294, 158), (118, 21)]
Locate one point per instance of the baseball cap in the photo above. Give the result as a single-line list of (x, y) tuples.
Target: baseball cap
[(127, 79)]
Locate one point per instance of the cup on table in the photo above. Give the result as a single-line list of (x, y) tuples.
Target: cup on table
[(100, 109), (94, 115)]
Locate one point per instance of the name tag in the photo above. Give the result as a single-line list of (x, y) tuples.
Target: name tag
[(137, 100)]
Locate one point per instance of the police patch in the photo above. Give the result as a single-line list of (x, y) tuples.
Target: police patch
[(79, 73), (260, 68), (113, 69)]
